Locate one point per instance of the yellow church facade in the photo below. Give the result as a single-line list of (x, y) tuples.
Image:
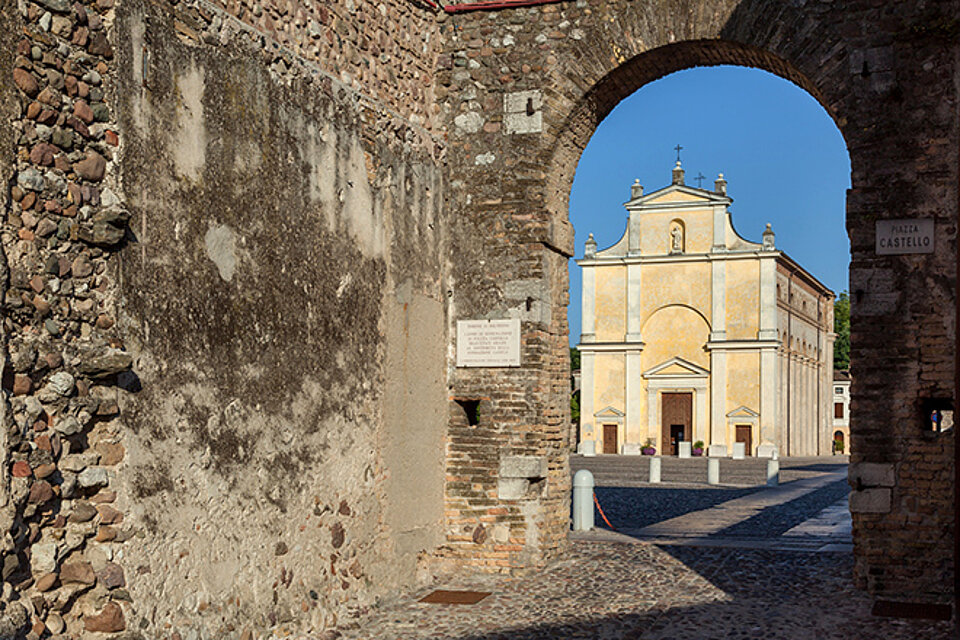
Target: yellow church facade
[(693, 333)]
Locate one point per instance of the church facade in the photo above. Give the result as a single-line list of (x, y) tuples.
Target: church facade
[(692, 333)]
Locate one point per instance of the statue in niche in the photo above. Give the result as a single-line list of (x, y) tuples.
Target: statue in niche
[(676, 239)]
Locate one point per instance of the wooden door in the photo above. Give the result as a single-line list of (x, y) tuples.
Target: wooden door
[(676, 413), (609, 438), (745, 435)]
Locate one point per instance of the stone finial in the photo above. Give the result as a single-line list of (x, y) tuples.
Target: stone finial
[(678, 174), (768, 237), (720, 185), (590, 247), (636, 189)]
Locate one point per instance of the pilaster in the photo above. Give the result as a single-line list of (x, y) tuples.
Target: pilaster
[(717, 431), (718, 296), (588, 301)]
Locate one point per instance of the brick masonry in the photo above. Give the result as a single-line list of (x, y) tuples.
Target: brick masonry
[(237, 237)]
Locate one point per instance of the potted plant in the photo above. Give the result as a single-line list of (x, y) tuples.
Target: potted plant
[(697, 448), (648, 449), (838, 446)]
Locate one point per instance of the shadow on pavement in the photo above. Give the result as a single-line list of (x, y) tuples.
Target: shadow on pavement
[(765, 594), (638, 507)]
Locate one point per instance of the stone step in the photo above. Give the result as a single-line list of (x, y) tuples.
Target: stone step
[(612, 470)]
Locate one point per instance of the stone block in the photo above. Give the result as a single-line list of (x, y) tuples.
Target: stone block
[(870, 501), (630, 449), (739, 450), (512, 488), (43, 557), (523, 467), (767, 451), (717, 451), (523, 112), (684, 449), (872, 474), (587, 448)]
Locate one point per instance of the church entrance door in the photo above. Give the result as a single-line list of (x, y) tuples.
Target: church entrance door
[(609, 438), (677, 421), (745, 435)]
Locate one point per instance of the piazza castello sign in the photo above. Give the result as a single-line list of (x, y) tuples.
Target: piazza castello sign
[(895, 237)]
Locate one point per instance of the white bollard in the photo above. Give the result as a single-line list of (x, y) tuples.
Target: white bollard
[(773, 472), (655, 469), (683, 450), (583, 500), (713, 470)]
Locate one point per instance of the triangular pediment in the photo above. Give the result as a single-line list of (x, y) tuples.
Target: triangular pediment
[(676, 368), (743, 412), (609, 412), (678, 195)]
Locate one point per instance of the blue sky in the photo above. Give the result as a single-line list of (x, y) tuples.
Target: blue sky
[(784, 160)]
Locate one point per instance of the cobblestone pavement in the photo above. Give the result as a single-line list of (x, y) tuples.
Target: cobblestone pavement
[(750, 582), (643, 591)]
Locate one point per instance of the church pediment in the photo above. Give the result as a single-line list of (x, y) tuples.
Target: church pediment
[(609, 412), (743, 412), (676, 368), (678, 195)]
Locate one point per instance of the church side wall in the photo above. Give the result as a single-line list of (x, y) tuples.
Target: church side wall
[(227, 332)]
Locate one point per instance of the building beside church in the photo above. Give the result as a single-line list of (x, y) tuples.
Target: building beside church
[(692, 333), (841, 412)]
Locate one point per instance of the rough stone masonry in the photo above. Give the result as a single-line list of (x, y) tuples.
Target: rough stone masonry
[(237, 237)]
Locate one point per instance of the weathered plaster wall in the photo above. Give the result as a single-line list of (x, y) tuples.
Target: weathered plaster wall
[(283, 303)]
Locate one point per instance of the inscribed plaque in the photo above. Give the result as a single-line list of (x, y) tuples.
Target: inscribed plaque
[(488, 343), (896, 237)]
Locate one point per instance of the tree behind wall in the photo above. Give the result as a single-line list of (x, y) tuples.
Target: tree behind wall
[(574, 395), (841, 326)]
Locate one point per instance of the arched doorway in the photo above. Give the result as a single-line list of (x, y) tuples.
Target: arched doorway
[(522, 110)]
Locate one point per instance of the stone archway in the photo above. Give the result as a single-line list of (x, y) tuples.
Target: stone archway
[(524, 90)]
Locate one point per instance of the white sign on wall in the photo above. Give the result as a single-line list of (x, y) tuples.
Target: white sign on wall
[(896, 237), (488, 343)]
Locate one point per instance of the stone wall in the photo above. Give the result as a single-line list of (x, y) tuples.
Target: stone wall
[(225, 324), (524, 89)]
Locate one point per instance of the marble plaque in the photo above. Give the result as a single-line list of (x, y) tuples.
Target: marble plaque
[(896, 237), (488, 343)]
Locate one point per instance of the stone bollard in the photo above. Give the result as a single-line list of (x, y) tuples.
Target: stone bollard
[(583, 500), (655, 469), (713, 470), (773, 472)]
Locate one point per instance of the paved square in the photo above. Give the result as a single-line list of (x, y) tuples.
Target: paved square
[(644, 591)]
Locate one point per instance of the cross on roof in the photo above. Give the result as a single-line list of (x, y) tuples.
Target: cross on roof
[(700, 178), (678, 148)]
